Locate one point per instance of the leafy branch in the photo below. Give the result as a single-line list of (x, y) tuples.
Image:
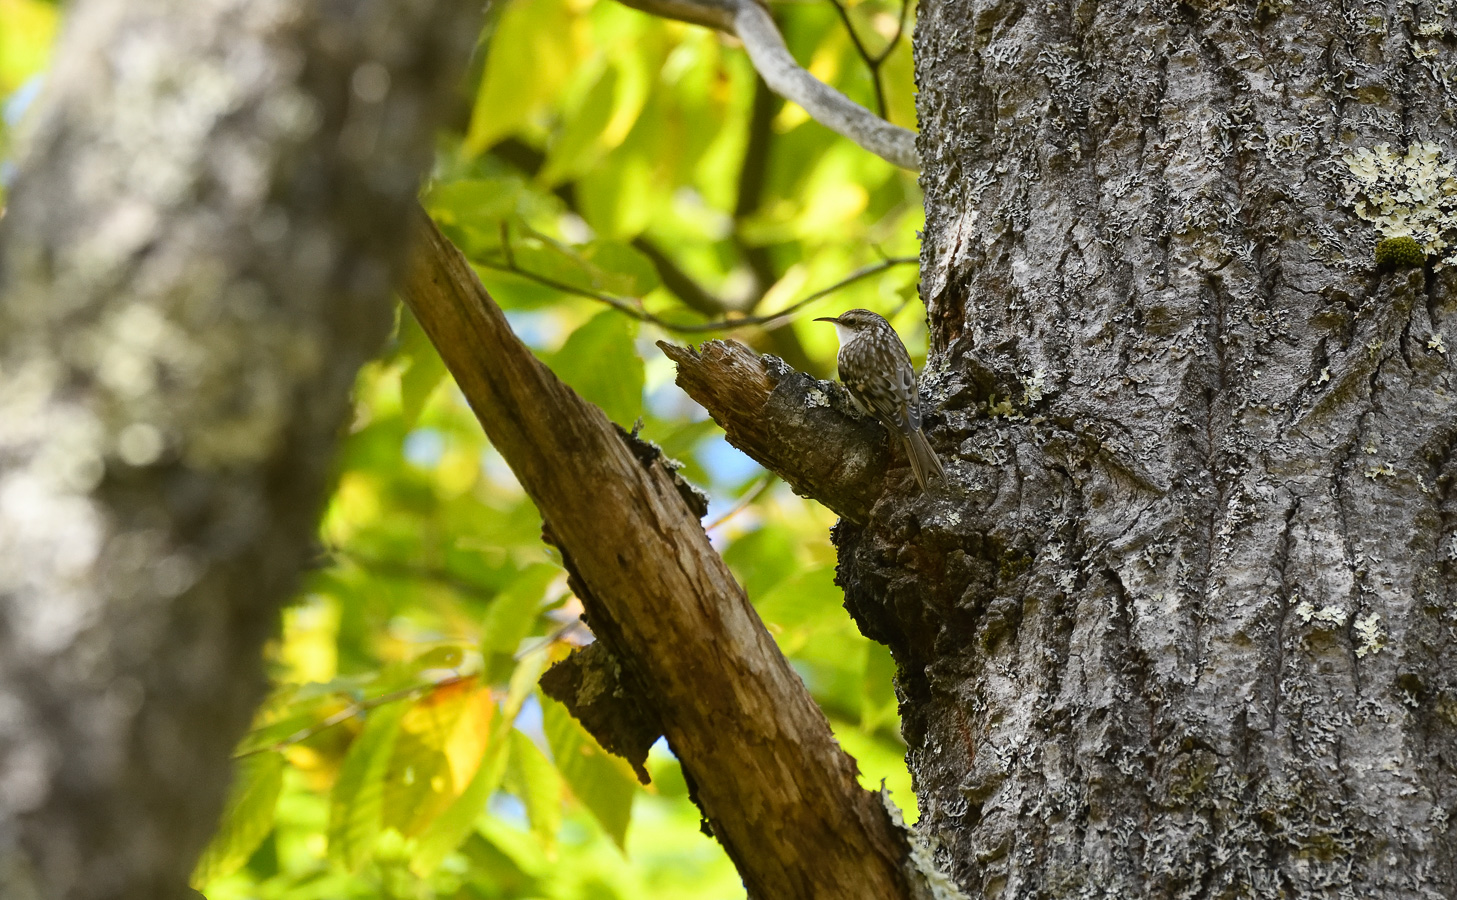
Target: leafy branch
[(632, 306), (412, 571), (763, 42), (356, 708)]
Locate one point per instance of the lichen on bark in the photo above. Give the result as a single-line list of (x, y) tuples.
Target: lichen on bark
[(1114, 674)]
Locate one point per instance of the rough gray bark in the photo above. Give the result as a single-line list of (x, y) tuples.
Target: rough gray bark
[(1184, 627), (196, 258), (1143, 662)]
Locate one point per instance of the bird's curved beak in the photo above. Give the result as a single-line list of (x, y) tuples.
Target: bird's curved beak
[(828, 319)]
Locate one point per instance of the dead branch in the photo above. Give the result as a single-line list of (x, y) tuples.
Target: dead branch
[(802, 429), (770, 778)]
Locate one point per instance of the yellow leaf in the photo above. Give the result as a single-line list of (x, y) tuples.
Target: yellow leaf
[(25, 40)]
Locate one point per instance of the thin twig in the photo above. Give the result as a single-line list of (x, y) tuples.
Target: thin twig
[(873, 62), (864, 54), (506, 244), (788, 312), (395, 569), (621, 304), (749, 198), (900, 30), (555, 635), (632, 307), (744, 502), (349, 712)]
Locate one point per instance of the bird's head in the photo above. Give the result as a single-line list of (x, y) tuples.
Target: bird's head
[(852, 323)]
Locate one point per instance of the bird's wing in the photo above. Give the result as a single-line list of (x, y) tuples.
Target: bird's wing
[(884, 395)]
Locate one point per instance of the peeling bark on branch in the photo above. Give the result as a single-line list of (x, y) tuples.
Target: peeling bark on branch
[(591, 685), (776, 788), (802, 429), (196, 258)]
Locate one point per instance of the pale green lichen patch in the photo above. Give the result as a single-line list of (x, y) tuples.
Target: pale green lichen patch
[(1370, 636), (1033, 386), (1332, 616), (1429, 34), (1411, 194), (1003, 408)]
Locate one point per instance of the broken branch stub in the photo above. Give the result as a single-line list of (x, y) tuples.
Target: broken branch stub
[(802, 429)]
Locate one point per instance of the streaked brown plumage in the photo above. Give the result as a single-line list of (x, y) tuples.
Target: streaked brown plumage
[(877, 373)]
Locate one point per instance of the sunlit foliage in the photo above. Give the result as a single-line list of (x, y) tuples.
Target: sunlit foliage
[(617, 179)]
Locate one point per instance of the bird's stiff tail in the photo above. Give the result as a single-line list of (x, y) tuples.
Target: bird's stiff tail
[(924, 464)]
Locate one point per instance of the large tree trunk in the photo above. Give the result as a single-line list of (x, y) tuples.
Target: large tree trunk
[(1183, 628), (196, 259)]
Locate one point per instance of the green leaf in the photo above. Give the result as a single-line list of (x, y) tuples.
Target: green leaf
[(498, 869), (449, 656), (451, 827), (512, 614), (601, 363), (603, 783), (878, 702), (579, 143), (291, 710), (619, 197), (802, 600), (414, 672), (762, 558), (355, 807), (447, 830), (424, 373), (442, 739), (247, 819), (619, 269), (538, 785), (552, 260), (603, 267), (474, 203), (810, 626), (518, 847), (532, 36)]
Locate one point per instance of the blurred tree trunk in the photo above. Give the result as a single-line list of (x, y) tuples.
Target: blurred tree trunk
[(1188, 629), (196, 258)]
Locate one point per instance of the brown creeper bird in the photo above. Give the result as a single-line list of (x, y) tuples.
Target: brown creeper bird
[(877, 372)]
